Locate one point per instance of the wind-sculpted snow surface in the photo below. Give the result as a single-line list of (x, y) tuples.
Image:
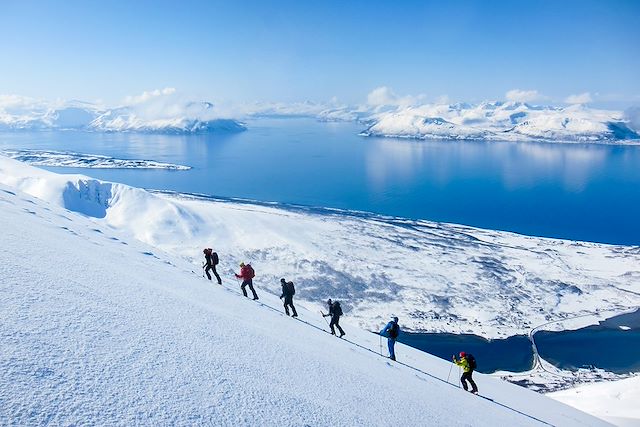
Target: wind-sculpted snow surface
[(79, 160), (98, 329), (510, 121), (435, 276)]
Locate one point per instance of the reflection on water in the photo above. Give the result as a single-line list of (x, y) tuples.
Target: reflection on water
[(517, 165), (576, 191)]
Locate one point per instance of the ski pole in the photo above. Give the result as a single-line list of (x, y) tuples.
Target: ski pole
[(325, 319), (380, 345), (460, 376), (450, 369)]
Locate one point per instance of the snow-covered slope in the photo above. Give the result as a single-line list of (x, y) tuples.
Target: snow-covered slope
[(504, 121), (98, 329), (615, 401), (435, 276)]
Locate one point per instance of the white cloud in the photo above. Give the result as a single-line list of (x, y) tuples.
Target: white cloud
[(384, 95), (582, 98), (519, 95), (147, 95), (19, 102), (443, 99), (633, 116)]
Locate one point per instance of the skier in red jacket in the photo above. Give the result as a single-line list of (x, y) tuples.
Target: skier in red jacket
[(247, 274)]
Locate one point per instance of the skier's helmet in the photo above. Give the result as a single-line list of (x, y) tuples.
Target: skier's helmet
[(329, 301), (463, 354), (282, 280), (395, 319), (242, 264)]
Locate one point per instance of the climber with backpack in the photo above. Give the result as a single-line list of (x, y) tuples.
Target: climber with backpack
[(391, 331), (335, 311), (468, 364), (211, 260), (288, 291), (247, 274)]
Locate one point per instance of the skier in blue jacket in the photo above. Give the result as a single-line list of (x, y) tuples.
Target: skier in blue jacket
[(391, 331)]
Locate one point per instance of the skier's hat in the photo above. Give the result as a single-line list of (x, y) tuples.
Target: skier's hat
[(282, 280), (242, 264), (463, 354)]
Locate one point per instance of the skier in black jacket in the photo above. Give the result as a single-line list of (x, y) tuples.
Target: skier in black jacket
[(211, 260), (335, 311), (288, 291)]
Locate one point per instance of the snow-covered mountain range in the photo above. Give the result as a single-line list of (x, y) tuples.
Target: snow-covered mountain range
[(511, 121), (99, 328), (151, 113), (162, 111)]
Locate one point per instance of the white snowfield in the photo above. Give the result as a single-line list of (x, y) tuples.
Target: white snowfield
[(100, 329), (436, 277), (508, 121), (614, 401)]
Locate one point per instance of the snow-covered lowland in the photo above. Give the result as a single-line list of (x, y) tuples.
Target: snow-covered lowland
[(79, 160), (107, 320)]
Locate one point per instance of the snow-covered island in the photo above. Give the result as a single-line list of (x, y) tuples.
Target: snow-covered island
[(107, 319), (80, 160)]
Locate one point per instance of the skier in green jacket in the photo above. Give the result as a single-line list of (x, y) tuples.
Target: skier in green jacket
[(468, 364)]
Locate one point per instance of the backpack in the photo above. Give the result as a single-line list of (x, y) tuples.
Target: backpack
[(291, 288), (394, 330), (472, 361), (252, 272), (214, 258), (337, 310)]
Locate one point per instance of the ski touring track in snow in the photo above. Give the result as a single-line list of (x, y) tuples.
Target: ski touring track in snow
[(353, 343)]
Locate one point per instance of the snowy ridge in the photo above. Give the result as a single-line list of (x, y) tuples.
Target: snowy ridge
[(490, 283), (79, 160), (106, 330)]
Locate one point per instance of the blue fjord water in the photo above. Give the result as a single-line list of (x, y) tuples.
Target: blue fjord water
[(575, 191), (613, 345)]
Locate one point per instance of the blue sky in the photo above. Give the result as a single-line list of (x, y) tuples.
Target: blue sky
[(297, 50)]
